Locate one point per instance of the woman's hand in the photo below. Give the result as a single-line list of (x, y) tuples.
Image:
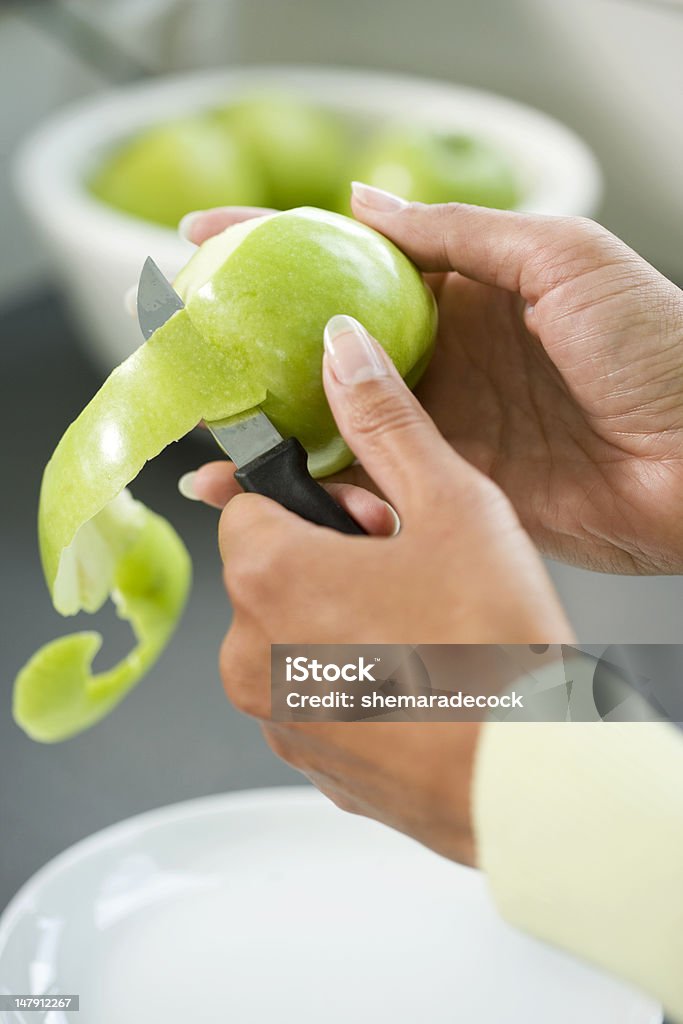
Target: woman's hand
[(461, 570), (558, 373)]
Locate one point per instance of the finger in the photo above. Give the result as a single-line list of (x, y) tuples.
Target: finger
[(377, 517), (199, 225), (130, 300), (259, 541), (257, 537), (521, 252), (244, 664), (381, 421), (214, 484)]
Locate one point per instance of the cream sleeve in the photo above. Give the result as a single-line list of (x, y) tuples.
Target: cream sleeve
[(579, 829)]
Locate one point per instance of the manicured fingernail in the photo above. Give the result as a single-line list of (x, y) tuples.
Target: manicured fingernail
[(351, 352), (186, 486), (187, 223), (130, 300), (377, 198), (397, 522)]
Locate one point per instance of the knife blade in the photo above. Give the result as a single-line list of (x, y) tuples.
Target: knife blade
[(266, 463)]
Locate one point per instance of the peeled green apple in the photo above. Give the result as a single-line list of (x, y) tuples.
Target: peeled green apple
[(257, 298), (302, 151), (188, 164), (433, 167)]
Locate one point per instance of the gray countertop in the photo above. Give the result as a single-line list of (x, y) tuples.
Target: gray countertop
[(176, 736)]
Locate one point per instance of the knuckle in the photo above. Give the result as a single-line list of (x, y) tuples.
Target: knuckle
[(340, 799), (231, 672), (248, 703), (590, 229), (381, 409), (226, 658), (585, 226), (573, 246), (242, 684), (253, 572), (448, 219), (585, 236), (232, 516), (277, 741), (488, 501), (280, 741), (431, 233), (595, 240), (243, 581)]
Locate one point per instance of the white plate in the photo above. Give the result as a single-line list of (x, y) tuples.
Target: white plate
[(272, 905)]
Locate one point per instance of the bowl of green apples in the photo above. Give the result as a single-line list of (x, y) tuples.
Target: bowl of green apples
[(106, 181)]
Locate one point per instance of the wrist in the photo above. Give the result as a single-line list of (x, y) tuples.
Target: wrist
[(452, 827)]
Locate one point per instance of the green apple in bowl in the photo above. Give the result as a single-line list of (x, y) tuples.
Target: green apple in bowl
[(302, 150), (166, 171), (257, 298), (431, 167)]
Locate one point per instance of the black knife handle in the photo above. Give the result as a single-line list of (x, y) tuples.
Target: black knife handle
[(282, 474)]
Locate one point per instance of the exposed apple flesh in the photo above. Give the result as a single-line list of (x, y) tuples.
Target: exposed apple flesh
[(257, 300)]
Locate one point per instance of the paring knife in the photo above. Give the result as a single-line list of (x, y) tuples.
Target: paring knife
[(266, 463)]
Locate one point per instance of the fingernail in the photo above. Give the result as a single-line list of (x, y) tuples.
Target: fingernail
[(397, 522), (186, 486), (377, 198), (187, 223), (352, 355), (130, 300)]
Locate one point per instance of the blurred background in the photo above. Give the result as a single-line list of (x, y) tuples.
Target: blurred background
[(608, 69)]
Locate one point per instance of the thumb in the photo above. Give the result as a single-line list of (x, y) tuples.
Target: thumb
[(520, 252), (380, 420)]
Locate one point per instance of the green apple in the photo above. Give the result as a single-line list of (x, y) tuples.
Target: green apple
[(257, 298), (302, 151), (431, 167), (188, 164)]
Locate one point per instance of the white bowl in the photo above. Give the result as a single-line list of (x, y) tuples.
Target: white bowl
[(98, 252), (275, 906)]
